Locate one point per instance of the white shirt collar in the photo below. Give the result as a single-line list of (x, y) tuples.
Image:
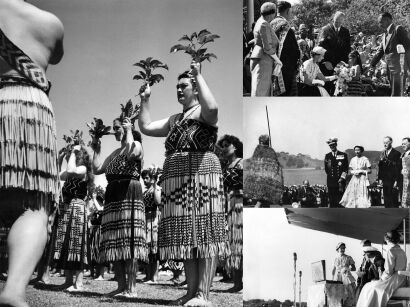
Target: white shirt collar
[(388, 151), (388, 28)]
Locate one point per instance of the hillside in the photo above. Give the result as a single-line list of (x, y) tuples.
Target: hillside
[(290, 161)]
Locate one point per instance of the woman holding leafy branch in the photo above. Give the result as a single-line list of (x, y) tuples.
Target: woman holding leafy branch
[(192, 226), (123, 219), (71, 243)]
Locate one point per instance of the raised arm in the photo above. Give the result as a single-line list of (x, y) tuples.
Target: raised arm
[(159, 128), (98, 167), (133, 149), (209, 107), (72, 169)]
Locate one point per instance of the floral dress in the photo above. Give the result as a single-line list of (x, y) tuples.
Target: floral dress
[(356, 194)]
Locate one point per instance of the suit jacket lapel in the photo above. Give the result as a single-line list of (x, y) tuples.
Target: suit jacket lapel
[(389, 36)]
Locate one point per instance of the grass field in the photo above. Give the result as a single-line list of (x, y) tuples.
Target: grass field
[(158, 295), (296, 176)]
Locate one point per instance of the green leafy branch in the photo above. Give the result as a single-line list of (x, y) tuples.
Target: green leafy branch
[(147, 74), (195, 47)]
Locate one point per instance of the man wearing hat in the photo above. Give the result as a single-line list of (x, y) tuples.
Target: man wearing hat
[(263, 55), (371, 268), (336, 167)]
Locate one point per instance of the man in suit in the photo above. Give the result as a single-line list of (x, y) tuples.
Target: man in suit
[(306, 195), (336, 167), (264, 52), (336, 40), (394, 35), (389, 174), (289, 52)]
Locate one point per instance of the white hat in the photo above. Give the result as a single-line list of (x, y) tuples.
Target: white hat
[(367, 249), (319, 50)]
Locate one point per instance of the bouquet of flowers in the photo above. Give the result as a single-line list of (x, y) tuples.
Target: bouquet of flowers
[(343, 74), (97, 131), (195, 45), (146, 73)]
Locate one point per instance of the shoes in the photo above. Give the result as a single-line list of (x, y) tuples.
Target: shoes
[(151, 282), (99, 278), (74, 289)]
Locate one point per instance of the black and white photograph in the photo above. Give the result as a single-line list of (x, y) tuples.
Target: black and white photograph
[(324, 154), (326, 48), (120, 153), (326, 257)]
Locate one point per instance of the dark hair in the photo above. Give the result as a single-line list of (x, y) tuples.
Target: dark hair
[(392, 236), (406, 138), (231, 139), (386, 15), (135, 134), (389, 137), (283, 6), (187, 75), (146, 172), (361, 148), (83, 158), (366, 242), (355, 54)]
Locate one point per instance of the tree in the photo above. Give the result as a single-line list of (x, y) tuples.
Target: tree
[(313, 13)]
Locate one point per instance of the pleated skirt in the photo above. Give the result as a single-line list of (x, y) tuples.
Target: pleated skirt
[(193, 219), (235, 229), (28, 154), (71, 241), (123, 234)]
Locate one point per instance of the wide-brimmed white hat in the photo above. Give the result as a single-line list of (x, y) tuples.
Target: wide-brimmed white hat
[(319, 50)]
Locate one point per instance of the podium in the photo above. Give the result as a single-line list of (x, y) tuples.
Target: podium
[(326, 294)]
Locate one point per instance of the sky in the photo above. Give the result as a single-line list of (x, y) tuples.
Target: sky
[(104, 38), (304, 125), (268, 254)]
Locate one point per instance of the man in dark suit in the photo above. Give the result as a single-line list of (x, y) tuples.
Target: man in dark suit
[(389, 174), (306, 195), (336, 40), (289, 52), (394, 35), (336, 167)]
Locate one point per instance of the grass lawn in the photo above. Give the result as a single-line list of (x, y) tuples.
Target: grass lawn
[(148, 295)]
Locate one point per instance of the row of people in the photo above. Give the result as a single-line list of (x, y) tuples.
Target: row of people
[(333, 65), (192, 226), (377, 277)]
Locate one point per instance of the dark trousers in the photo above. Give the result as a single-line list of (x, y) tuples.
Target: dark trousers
[(389, 201), (395, 80), (334, 197), (289, 78)]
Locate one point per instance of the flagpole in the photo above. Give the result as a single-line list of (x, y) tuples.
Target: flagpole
[(267, 116)]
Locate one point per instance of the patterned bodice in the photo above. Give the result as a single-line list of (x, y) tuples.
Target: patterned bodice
[(120, 167), (149, 202), (233, 177), (190, 135), (74, 188)]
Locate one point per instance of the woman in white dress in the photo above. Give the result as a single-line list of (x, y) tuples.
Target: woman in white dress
[(356, 194), (311, 76), (378, 292)]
